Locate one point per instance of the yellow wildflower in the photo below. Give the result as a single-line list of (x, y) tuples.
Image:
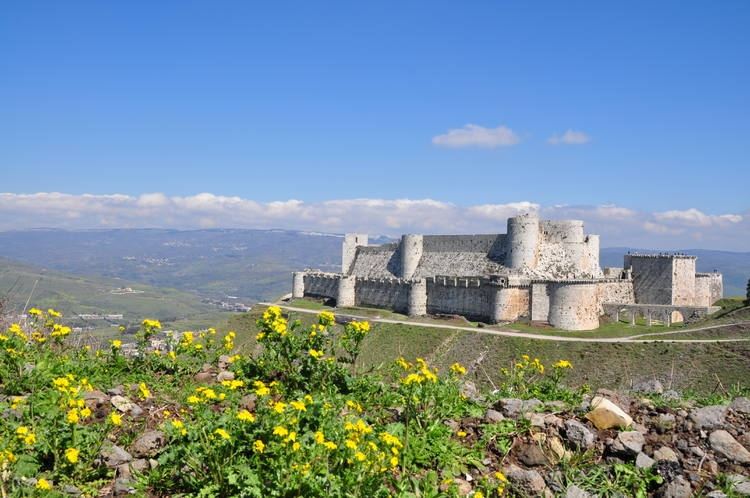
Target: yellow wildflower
[(26, 435), (245, 416), (35, 312), (330, 445), (458, 369), (72, 417), (315, 353), (360, 457), (261, 389), (43, 483), (258, 446), (54, 313), (299, 406), (143, 391), (151, 324), (116, 344), (71, 455), (563, 364), (326, 318), (279, 407), (280, 431), (222, 434), (115, 418)]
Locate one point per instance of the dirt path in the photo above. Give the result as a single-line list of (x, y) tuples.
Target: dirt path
[(526, 335)]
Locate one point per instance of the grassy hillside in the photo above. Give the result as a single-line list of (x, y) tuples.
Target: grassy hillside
[(74, 295), (701, 367)]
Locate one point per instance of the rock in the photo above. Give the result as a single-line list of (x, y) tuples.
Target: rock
[(740, 484), (558, 450), (553, 421), (97, 402), (578, 434), (464, 487), (124, 405), (148, 444), (123, 486), (632, 441), (139, 466), (716, 494), (223, 362), (469, 390), (697, 451), (606, 415), (556, 405), (709, 417), (617, 397), (71, 490), (493, 416), (665, 422), (741, 405), (666, 454), (643, 461), (576, 492), (204, 377), (725, 445), (248, 402), (514, 407), (530, 454), (454, 425), (537, 420), (116, 391), (526, 482), (649, 386), (671, 395), (225, 375), (678, 488), (114, 456)]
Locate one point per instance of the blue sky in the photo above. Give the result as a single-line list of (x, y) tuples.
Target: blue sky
[(317, 101)]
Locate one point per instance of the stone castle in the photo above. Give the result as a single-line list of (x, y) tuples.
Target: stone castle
[(540, 270)]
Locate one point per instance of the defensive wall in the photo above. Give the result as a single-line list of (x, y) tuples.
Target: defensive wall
[(542, 270)]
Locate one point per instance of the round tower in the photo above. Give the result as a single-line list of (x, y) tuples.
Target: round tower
[(418, 298), (346, 297), (298, 284), (522, 241), (573, 306), (411, 253)]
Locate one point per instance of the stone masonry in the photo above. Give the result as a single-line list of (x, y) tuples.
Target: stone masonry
[(542, 270)]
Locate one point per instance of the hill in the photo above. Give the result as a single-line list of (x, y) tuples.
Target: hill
[(73, 295)]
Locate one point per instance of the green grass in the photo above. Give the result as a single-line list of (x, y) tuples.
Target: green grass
[(698, 367)]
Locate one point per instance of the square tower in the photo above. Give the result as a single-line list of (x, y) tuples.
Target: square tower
[(663, 278)]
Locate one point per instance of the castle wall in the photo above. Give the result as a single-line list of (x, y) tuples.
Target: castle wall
[(683, 281), (321, 285), (390, 294), (573, 306), (539, 302), (510, 304), (459, 296), (652, 278), (562, 231), (377, 261), (590, 262), (708, 288), (619, 292)]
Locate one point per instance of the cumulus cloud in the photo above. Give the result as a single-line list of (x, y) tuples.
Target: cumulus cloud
[(570, 137), (472, 135), (617, 225), (695, 218)]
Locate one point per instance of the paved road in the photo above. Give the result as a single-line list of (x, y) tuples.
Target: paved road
[(526, 335)]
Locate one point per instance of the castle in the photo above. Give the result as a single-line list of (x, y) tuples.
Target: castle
[(541, 270)]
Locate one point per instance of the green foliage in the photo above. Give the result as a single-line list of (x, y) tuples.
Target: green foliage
[(618, 480)]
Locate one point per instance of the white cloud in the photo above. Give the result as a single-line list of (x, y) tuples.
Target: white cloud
[(570, 137), (473, 135), (617, 225), (694, 217)]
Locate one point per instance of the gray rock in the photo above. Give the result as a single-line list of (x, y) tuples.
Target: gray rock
[(665, 422), (223, 362), (464, 487), (125, 405), (470, 391), (725, 445), (576, 492), (649, 386), (671, 395), (514, 407), (225, 375), (116, 391), (123, 486), (527, 482), (632, 441), (127, 469), (643, 461), (530, 454), (678, 488), (204, 377), (578, 434), (113, 456), (741, 405), (493, 416), (71, 490), (716, 494), (666, 454), (740, 484), (709, 417), (148, 444)]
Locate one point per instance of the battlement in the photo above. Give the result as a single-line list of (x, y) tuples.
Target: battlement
[(546, 270)]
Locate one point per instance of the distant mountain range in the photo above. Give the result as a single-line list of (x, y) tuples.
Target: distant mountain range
[(250, 265)]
